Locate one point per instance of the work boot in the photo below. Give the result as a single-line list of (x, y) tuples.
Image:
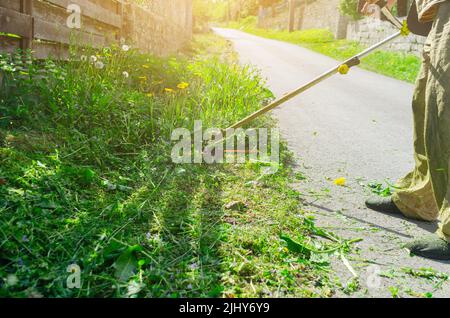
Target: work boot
[(430, 246), (383, 204)]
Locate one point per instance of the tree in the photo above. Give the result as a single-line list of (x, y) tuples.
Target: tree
[(268, 3), (350, 8)]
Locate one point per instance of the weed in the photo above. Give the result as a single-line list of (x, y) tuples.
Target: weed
[(379, 189)]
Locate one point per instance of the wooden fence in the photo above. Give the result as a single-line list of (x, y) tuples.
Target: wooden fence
[(41, 25)]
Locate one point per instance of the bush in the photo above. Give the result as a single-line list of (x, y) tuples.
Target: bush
[(350, 8)]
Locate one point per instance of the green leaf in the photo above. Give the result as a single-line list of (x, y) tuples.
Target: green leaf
[(88, 176), (296, 247), (126, 265), (48, 204)]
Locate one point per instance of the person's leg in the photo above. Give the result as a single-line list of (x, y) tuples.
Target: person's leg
[(437, 135), (437, 129), (413, 195)]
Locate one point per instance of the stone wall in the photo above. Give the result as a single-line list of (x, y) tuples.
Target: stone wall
[(309, 14), (324, 14), (369, 31)]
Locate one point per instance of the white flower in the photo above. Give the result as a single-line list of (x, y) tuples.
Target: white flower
[(99, 65), (125, 74), (125, 48), (83, 58), (12, 280), (93, 59)]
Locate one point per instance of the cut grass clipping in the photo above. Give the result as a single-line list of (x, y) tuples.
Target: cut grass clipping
[(87, 183)]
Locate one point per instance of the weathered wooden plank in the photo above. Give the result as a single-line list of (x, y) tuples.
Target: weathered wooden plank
[(10, 4), (91, 10), (103, 22), (26, 7), (8, 44), (16, 23), (50, 50), (53, 32), (109, 5)]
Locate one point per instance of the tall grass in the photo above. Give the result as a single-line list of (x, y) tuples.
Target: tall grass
[(86, 175), (125, 99), (86, 178)]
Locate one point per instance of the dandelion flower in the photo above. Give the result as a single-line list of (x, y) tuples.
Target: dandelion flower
[(93, 59), (183, 85), (150, 94), (168, 90), (125, 48), (99, 65), (12, 280), (340, 182), (125, 74)]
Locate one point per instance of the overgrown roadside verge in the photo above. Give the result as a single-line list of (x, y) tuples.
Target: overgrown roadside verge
[(393, 64), (87, 183)]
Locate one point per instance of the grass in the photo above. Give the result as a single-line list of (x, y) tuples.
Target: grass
[(398, 65), (86, 178)]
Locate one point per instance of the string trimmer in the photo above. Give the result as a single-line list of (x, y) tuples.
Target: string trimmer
[(342, 68)]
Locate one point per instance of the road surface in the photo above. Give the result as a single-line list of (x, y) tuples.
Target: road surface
[(357, 126)]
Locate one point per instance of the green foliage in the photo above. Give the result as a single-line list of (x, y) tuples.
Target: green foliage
[(86, 178), (350, 8), (127, 263), (249, 8), (398, 65), (380, 189)]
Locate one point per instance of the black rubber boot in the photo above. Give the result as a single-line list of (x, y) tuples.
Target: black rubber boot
[(431, 246), (383, 204)]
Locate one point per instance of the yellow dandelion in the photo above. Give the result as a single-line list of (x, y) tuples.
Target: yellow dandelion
[(183, 85), (150, 95), (169, 90), (340, 182)]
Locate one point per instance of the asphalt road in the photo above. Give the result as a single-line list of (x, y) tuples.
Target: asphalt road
[(357, 126)]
